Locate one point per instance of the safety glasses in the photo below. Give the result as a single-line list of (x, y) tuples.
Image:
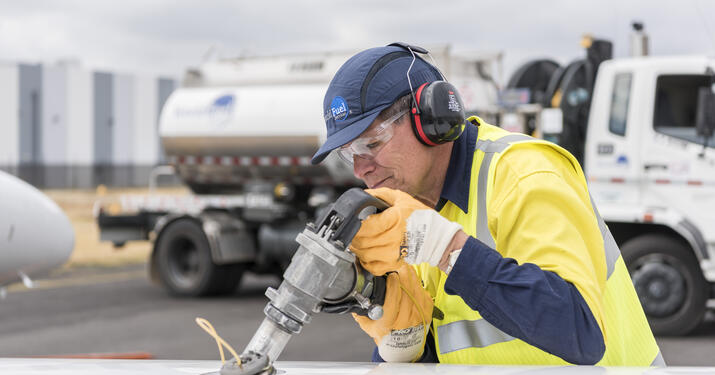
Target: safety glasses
[(368, 146)]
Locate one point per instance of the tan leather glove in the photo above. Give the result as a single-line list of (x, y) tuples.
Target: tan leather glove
[(407, 230), (407, 314)]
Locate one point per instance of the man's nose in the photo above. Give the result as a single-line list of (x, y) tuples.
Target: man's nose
[(362, 166)]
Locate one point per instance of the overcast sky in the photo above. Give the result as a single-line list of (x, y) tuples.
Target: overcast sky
[(166, 36)]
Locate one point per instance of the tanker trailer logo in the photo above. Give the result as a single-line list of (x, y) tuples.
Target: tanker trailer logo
[(218, 112), (222, 109)]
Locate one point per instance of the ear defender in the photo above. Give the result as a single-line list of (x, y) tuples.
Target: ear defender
[(437, 113)]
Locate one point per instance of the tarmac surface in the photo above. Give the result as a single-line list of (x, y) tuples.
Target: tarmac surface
[(118, 310)]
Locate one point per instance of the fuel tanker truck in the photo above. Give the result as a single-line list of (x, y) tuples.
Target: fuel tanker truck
[(240, 134)]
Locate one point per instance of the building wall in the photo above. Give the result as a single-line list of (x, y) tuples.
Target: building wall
[(122, 126), (103, 118), (54, 116), (53, 162), (9, 120), (30, 115), (166, 86), (62, 126), (122, 129), (80, 127), (30, 105), (145, 132)]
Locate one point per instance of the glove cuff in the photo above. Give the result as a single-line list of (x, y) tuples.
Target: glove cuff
[(429, 234)]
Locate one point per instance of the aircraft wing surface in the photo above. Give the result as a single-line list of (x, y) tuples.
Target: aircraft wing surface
[(36, 366)]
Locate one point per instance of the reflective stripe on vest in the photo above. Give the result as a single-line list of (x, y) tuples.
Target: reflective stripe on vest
[(489, 148), (479, 333), (609, 243), (470, 333)]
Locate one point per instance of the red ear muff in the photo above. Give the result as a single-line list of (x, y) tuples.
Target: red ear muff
[(437, 113), (417, 121)]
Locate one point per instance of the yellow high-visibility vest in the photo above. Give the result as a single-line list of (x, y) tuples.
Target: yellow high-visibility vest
[(599, 274)]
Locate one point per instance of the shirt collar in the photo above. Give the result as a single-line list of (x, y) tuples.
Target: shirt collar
[(459, 171)]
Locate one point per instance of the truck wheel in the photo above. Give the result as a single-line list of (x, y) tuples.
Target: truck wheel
[(184, 264), (669, 283)]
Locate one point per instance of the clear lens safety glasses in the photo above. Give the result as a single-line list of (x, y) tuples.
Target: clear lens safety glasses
[(368, 146)]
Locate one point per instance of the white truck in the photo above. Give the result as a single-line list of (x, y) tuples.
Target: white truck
[(240, 133), (643, 127)]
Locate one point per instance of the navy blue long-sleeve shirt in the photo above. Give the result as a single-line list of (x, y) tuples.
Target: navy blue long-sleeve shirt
[(524, 301)]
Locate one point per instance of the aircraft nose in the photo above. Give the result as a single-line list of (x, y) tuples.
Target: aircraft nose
[(36, 234)]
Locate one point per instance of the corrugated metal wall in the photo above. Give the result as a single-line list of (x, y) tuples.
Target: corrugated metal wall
[(9, 117), (62, 126), (103, 118), (80, 127), (54, 116), (54, 127), (166, 86), (122, 128), (30, 113), (30, 98), (145, 151)]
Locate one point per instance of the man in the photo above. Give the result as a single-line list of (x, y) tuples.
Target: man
[(499, 227)]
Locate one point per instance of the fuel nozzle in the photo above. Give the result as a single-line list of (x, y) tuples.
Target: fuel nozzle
[(322, 276)]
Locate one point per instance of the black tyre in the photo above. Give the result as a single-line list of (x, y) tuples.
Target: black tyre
[(669, 283), (184, 264)]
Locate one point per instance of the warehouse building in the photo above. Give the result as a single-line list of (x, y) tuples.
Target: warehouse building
[(63, 126)]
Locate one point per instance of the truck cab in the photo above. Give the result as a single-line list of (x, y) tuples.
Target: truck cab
[(652, 176)]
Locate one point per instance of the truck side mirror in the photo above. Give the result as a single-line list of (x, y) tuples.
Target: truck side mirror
[(705, 116)]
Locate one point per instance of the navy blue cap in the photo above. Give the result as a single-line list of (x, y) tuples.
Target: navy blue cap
[(364, 86)]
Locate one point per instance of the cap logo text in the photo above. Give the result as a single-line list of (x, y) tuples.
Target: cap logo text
[(339, 108)]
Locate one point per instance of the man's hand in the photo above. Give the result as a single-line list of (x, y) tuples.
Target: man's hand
[(407, 231), (400, 333)]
